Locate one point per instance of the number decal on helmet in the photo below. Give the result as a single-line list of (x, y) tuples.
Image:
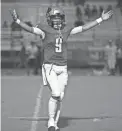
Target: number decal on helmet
[(58, 45)]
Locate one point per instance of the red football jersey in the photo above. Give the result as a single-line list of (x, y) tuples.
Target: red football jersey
[(55, 44)]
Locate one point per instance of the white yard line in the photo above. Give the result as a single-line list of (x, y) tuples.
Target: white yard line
[(28, 118), (37, 109), (20, 77)]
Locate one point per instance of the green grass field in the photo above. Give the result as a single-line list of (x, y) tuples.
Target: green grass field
[(91, 103)]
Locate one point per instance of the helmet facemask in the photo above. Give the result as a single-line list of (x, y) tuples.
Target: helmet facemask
[(55, 19)]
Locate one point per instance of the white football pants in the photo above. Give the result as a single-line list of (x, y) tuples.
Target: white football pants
[(55, 77)]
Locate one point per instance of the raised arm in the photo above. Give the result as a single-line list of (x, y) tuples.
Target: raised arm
[(33, 30), (104, 17)]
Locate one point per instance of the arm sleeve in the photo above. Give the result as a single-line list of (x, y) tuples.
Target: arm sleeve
[(76, 30), (25, 26), (34, 30), (38, 31), (85, 27)]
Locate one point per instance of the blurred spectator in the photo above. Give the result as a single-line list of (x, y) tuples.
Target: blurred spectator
[(111, 51), (94, 11), (78, 13), (109, 7), (100, 10), (29, 23), (119, 4), (31, 52), (78, 23), (87, 11), (119, 60), (38, 59), (22, 55), (15, 27), (12, 52), (79, 20), (5, 24)]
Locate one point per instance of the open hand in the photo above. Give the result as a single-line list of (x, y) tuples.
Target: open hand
[(14, 14), (106, 16)]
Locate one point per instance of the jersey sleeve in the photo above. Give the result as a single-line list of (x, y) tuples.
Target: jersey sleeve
[(38, 29), (75, 30)]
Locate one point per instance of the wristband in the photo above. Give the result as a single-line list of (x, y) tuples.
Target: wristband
[(18, 21), (99, 20)]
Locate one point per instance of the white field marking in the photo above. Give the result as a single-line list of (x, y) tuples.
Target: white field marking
[(96, 120), (36, 109), (20, 77), (28, 118)]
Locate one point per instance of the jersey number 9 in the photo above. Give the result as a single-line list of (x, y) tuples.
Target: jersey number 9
[(58, 45)]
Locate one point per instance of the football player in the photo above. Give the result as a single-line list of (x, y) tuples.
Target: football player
[(54, 70)]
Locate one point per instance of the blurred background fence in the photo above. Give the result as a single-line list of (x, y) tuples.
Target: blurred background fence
[(85, 49)]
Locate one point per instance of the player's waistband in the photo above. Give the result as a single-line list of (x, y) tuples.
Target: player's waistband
[(54, 64), (55, 67)]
